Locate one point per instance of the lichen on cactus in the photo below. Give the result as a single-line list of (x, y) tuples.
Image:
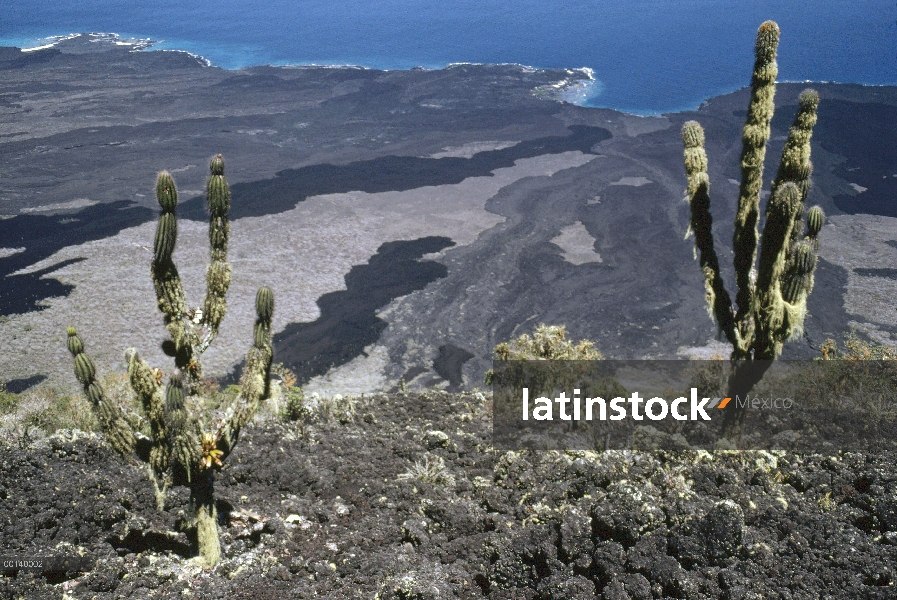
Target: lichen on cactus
[(166, 280), (218, 273), (185, 450), (111, 417), (770, 300)]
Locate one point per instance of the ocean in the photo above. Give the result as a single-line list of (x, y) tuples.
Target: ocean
[(647, 56)]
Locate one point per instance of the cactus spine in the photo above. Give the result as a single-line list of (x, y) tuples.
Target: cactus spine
[(183, 449), (770, 303)]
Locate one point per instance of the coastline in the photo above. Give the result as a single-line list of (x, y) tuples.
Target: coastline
[(575, 90), (585, 91)]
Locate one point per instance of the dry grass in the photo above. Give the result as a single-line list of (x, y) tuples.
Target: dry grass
[(40, 412), (43, 410)]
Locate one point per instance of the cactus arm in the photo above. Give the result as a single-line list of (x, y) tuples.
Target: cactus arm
[(795, 164), (754, 137), (146, 383), (719, 303), (769, 307), (781, 316), (815, 221), (183, 430), (776, 234), (796, 288), (218, 272), (112, 420), (255, 382), (167, 282), (795, 160)]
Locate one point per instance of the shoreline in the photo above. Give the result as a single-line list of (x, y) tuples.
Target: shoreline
[(571, 90), (584, 91)]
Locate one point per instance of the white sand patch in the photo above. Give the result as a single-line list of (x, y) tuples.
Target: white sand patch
[(70, 205), (860, 189), (595, 200), (633, 181), (363, 374), (301, 254), (713, 350), (4, 252), (468, 150), (578, 244)]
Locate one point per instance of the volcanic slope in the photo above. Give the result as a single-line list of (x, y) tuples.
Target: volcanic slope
[(407, 221)]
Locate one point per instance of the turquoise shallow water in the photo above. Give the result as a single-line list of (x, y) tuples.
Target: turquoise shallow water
[(647, 56)]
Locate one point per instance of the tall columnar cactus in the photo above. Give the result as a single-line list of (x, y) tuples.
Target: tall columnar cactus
[(771, 299), (183, 449), (218, 273)]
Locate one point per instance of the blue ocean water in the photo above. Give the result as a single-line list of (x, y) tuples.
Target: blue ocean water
[(648, 56)]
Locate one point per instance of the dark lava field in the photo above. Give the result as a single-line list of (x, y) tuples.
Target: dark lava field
[(402, 497)]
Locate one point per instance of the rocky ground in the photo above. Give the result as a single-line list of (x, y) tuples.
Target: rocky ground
[(401, 496)]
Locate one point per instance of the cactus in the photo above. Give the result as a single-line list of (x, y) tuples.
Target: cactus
[(166, 192), (804, 258), (183, 449), (770, 303), (166, 236), (218, 274), (118, 432), (815, 220), (264, 305)]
